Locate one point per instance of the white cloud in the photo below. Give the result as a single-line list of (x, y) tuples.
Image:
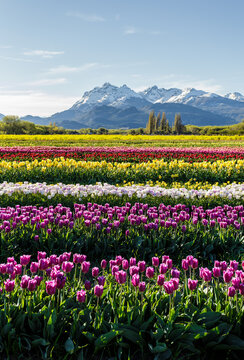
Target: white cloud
[(11, 58), (43, 53), (6, 46), (33, 103), (47, 82), (131, 30), (72, 69), (86, 17)]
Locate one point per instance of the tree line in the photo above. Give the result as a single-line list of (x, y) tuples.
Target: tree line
[(160, 125)]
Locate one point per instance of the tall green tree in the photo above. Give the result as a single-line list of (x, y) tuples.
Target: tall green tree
[(178, 126), (157, 122), (162, 126), (167, 127), (150, 128)]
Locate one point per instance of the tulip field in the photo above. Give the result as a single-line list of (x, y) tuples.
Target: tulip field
[(121, 247)]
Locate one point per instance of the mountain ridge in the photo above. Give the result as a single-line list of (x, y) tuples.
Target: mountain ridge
[(122, 107)]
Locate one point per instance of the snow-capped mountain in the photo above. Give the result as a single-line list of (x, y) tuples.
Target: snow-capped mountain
[(154, 94), (121, 107), (107, 94), (235, 96)]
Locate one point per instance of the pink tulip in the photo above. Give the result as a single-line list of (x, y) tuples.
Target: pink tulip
[(231, 291), (85, 266), (9, 285), (149, 272), (160, 280), (155, 261), (51, 287), (25, 259), (168, 287), (98, 290), (81, 296), (142, 286), (192, 284), (34, 266), (32, 284), (135, 280), (120, 277)]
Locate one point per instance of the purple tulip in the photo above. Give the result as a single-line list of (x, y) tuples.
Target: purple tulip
[(168, 287), (169, 263), (175, 282), (185, 264), (216, 272), (192, 284), (160, 280), (18, 269), (125, 264), (141, 265), (103, 264), (43, 264), (9, 285), (81, 296), (132, 261), (134, 270), (223, 265), (175, 273), (88, 285), (231, 291), (135, 280), (51, 287), (236, 282), (41, 255), (98, 290), (38, 279), (60, 280), (85, 266), (155, 261), (24, 281), (95, 271), (227, 275), (149, 272), (32, 285), (114, 269), (234, 264), (120, 277), (163, 268), (101, 280), (142, 286), (34, 266), (25, 259)]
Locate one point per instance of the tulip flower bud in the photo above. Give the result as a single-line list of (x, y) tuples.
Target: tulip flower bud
[(135, 280), (163, 268), (192, 284), (103, 264), (160, 280), (155, 261), (125, 264), (149, 272), (88, 285), (142, 286), (9, 285), (95, 271), (32, 284), (25, 259), (231, 291), (98, 290), (81, 296), (51, 287)]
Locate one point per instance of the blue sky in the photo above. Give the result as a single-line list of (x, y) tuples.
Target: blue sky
[(51, 51)]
